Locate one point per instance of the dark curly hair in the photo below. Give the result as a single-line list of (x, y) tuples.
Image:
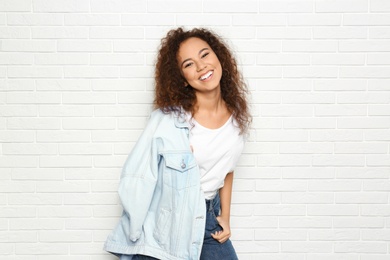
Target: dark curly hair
[(170, 93)]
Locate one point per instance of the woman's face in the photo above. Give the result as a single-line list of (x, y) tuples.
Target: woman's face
[(199, 65)]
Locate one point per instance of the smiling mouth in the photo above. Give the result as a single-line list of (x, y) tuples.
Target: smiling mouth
[(206, 76)]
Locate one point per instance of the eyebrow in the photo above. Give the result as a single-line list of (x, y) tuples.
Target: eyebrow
[(198, 54)]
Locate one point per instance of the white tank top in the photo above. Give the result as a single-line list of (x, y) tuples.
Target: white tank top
[(216, 151)]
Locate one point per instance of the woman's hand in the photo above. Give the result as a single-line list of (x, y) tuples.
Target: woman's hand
[(223, 235)]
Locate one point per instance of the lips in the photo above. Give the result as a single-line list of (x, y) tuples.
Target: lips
[(206, 75)]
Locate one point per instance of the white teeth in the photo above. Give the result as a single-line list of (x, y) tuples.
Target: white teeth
[(205, 76)]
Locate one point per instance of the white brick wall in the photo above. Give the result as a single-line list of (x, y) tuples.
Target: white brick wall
[(76, 89)]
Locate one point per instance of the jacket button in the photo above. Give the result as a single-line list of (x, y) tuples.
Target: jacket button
[(183, 165)]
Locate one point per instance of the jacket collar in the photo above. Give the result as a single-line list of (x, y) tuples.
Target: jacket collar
[(180, 121)]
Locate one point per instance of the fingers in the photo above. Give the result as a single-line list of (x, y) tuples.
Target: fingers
[(221, 236)]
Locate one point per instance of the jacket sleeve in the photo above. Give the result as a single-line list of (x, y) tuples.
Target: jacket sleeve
[(138, 179)]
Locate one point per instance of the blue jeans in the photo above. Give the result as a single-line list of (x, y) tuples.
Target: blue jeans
[(212, 249)]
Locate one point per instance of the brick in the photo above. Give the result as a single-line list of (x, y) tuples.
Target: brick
[(359, 222), (364, 72), (18, 110), (107, 211), (243, 46), (33, 97), (277, 235), (88, 123), (366, 98), (299, 110), (309, 123), (379, 110), (60, 32), (340, 110), (378, 59), (280, 210), (66, 111), (15, 6), (91, 72), (338, 160), (284, 85), (84, 46), (118, 6), (309, 46), (366, 148), (376, 210), (334, 185), (307, 198), (35, 199), (340, 85), (35, 72), (62, 84), (366, 19), (338, 59), (361, 198), (18, 237), (46, 136), (314, 19), (263, 72), (283, 59), (360, 247), (341, 6), (65, 236), (284, 33), (29, 149), (37, 174), (259, 20), (378, 160), (363, 123), (148, 19), (92, 19), (135, 45), (122, 110), (28, 45), (102, 161), (16, 136), (281, 185), (34, 19), (375, 235), (54, 6), (283, 160), (305, 222), (61, 212), (285, 6), (117, 59), (116, 33), (306, 148), (363, 173), (36, 224), (16, 58), (88, 98), (379, 33), (334, 235), (74, 199), (136, 98), (14, 32), (364, 46), (17, 212), (379, 6), (64, 161), (307, 173), (20, 123), (310, 72), (282, 135), (255, 197), (376, 185), (308, 98), (87, 149), (332, 210), (119, 84), (307, 247), (61, 59), (41, 248), (377, 135)]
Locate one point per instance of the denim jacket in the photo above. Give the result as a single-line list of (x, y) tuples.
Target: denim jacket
[(163, 204)]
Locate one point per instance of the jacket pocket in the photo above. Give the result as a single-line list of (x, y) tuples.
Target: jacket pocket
[(180, 172), (161, 232)]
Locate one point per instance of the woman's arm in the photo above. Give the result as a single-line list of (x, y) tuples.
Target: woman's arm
[(225, 194)]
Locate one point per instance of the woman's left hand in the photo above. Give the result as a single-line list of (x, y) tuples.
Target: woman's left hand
[(223, 235)]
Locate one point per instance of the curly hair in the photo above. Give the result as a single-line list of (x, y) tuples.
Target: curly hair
[(170, 93)]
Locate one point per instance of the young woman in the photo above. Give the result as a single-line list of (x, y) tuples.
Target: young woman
[(176, 184)]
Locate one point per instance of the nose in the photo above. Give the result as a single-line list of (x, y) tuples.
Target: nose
[(200, 66)]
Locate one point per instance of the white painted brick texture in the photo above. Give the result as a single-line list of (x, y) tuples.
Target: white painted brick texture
[(76, 86)]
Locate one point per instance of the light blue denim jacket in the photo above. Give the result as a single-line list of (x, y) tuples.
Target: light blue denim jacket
[(163, 204)]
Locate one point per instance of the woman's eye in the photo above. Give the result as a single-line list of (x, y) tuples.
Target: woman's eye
[(205, 54), (187, 65)]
